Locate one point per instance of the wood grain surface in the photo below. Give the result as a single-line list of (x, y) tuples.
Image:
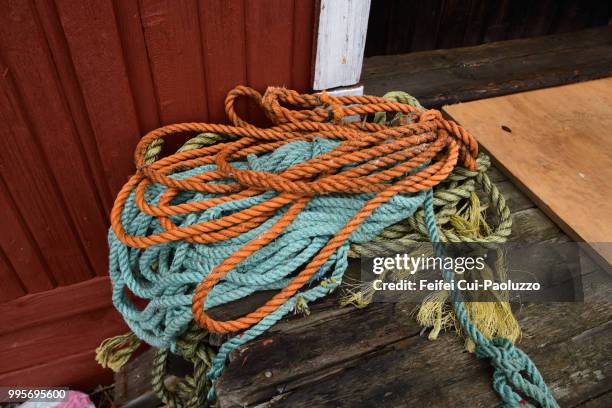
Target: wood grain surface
[(556, 144), (48, 338), (443, 77)]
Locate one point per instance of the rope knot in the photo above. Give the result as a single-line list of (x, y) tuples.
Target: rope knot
[(503, 355), (514, 371), (335, 113)]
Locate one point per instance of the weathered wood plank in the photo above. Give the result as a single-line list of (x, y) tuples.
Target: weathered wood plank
[(443, 77), (42, 332), (391, 26), (340, 42), (531, 225), (515, 199), (337, 363), (599, 401), (134, 379), (562, 164)]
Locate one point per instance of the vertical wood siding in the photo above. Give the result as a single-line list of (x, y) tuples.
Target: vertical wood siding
[(402, 26), (82, 81)]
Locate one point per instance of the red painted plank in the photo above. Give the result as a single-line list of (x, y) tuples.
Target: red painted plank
[(58, 304), (303, 39), (92, 37), (52, 340), (223, 35), (78, 371), (40, 328), (50, 23), (269, 49), (11, 284), (83, 80), (60, 156), (20, 248), (137, 63), (172, 33), (269, 33), (28, 177)]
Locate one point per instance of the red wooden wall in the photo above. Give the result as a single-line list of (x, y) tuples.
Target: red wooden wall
[(81, 81)]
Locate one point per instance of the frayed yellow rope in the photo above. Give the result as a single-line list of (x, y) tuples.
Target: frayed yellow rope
[(470, 219), (301, 306), (435, 312), (114, 352), (358, 295), (491, 318)]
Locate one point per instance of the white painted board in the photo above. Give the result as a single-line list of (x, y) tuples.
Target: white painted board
[(340, 42)]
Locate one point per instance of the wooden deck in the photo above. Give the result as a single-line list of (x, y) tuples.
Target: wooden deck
[(377, 357), (444, 77)]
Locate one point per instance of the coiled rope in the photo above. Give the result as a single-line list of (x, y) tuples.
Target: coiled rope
[(229, 214)]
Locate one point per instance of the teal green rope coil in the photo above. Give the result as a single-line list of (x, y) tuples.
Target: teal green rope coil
[(167, 274), (509, 362)]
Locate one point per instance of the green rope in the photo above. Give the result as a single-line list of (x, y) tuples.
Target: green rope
[(447, 198), (190, 391)]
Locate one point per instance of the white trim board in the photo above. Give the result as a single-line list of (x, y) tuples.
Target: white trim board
[(340, 42), (346, 91)]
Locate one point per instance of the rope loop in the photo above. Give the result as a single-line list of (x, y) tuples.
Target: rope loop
[(514, 370)]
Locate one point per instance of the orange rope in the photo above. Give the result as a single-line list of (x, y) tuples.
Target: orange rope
[(384, 160)]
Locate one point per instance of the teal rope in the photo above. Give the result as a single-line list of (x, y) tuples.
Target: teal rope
[(508, 361), (166, 275)]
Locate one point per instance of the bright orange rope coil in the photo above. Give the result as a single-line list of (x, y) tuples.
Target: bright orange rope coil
[(386, 161)]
